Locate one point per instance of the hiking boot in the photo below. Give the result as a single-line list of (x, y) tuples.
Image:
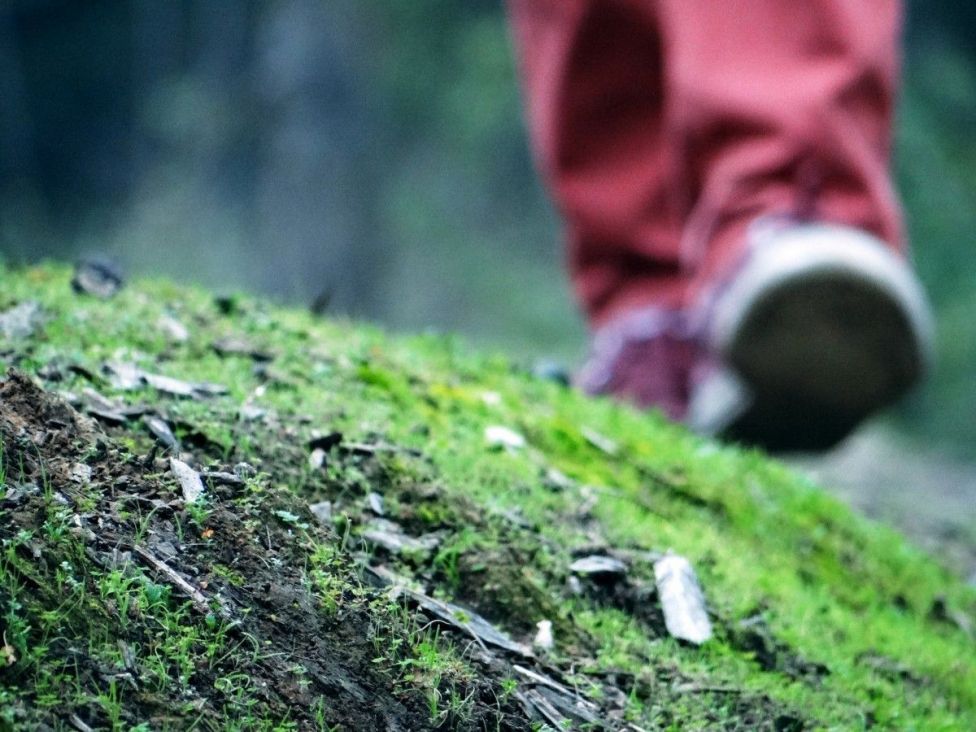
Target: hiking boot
[(820, 326), (646, 358)]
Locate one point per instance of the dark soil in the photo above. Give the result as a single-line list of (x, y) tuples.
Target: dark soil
[(282, 649)]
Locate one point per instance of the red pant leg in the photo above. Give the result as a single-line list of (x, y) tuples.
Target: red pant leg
[(594, 94), (780, 107), (664, 126)]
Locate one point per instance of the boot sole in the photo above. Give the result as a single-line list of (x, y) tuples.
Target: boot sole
[(822, 327)]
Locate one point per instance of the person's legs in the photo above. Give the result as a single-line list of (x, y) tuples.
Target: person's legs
[(677, 134), (592, 76), (664, 127)]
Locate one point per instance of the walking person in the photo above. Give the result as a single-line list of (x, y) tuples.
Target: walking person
[(733, 235)]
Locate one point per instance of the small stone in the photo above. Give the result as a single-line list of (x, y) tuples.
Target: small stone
[(316, 458), (103, 408), (80, 473), (251, 413), (220, 477), (127, 376), (556, 480), (169, 385), (51, 371), (322, 511), (325, 442), (204, 389), (97, 277), (245, 471), (375, 501), (20, 321), (503, 437), (188, 478), (165, 548)]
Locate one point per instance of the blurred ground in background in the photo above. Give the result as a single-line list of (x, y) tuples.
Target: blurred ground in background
[(372, 155)]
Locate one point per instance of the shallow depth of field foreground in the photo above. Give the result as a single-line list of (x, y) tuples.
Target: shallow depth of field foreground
[(218, 514)]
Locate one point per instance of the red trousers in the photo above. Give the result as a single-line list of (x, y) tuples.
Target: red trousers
[(664, 127)]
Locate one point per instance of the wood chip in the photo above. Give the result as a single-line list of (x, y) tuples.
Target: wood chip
[(390, 537), (127, 376), (468, 622), (162, 432), (222, 477), (103, 408), (200, 600), (600, 442), (543, 637), (597, 564), (188, 478), (316, 458), (682, 600)]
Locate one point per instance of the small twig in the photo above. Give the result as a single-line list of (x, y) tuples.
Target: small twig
[(703, 689), (78, 724), (533, 700), (199, 599)]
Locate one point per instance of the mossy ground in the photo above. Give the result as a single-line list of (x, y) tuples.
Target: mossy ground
[(822, 619)]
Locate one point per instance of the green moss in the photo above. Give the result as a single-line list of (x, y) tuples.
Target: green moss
[(834, 589)]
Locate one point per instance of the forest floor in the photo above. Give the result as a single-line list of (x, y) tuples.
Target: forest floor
[(219, 514)]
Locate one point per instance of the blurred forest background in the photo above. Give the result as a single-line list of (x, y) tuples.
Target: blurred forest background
[(372, 153)]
